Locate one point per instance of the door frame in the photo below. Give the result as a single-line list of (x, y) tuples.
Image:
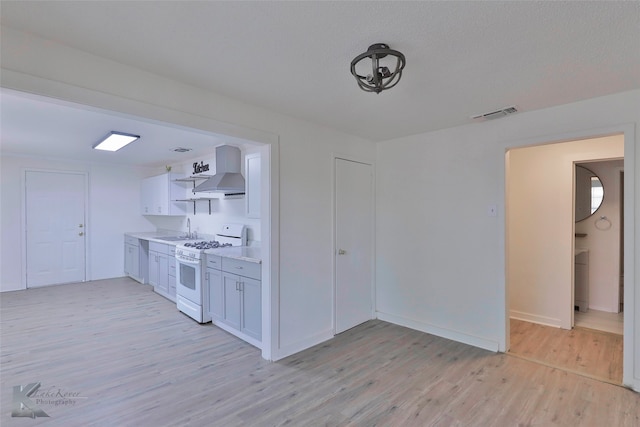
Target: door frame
[(630, 378), (622, 242), (23, 219), (334, 240)]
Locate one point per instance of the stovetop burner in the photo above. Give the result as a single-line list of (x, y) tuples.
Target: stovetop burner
[(212, 244)]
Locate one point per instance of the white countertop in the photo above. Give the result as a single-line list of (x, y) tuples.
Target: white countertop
[(156, 236), (245, 253)]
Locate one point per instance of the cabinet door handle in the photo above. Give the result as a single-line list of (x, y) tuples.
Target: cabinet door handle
[(239, 267)]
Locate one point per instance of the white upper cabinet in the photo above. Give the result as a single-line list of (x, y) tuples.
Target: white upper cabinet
[(160, 195), (252, 184)]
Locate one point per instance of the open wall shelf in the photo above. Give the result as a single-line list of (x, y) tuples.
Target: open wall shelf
[(193, 179), (194, 200)]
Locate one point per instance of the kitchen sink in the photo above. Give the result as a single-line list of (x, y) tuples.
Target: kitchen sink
[(172, 238)]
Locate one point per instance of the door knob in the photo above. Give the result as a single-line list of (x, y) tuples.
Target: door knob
[(341, 252), (81, 234), (80, 225)]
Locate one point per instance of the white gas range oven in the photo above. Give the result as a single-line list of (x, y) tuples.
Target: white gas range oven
[(192, 297)]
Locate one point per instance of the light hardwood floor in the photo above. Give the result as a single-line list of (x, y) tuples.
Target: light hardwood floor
[(589, 352), (600, 321), (137, 361)]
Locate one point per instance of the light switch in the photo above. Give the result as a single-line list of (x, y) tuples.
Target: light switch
[(492, 210)]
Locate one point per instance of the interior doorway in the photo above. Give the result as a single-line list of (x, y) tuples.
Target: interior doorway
[(599, 229), (541, 248)]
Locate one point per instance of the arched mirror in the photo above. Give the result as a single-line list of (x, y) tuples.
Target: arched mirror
[(589, 193)]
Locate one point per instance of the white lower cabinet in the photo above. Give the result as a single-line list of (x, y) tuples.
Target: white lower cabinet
[(581, 280), (235, 296), (231, 295), (161, 275), (251, 307), (172, 274), (216, 306), (132, 258)]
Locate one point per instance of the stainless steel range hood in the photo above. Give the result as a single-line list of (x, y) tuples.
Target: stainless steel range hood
[(228, 179)]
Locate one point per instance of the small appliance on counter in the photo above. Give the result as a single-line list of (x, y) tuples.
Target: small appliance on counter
[(192, 297)]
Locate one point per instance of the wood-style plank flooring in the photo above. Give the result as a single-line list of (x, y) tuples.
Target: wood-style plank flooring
[(588, 352), (600, 321), (136, 361)]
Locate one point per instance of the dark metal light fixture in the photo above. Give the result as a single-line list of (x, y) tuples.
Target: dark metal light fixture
[(381, 76)]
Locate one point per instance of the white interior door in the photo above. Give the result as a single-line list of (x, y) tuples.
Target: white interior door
[(354, 244), (55, 227)]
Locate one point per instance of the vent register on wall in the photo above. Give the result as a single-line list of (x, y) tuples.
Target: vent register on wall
[(164, 194)]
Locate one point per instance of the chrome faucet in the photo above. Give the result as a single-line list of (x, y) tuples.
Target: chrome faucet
[(188, 228)]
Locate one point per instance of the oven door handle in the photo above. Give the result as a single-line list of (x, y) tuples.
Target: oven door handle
[(188, 261)]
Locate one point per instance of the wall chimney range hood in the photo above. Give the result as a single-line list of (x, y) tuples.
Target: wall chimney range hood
[(228, 179)]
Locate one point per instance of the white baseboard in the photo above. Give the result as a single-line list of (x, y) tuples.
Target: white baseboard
[(605, 309), (287, 350), (534, 318), (480, 342), (12, 287), (633, 383)]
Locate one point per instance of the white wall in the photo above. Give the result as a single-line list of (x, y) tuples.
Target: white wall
[(540, 227), (445, 272), (304, 166), (437, 249), (113, 209), (222, 210)]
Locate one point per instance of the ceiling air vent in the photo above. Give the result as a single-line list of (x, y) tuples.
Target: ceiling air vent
[(181, 149), (495, 114)]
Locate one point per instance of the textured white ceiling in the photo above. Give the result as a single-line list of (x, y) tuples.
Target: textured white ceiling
[(463, 58)]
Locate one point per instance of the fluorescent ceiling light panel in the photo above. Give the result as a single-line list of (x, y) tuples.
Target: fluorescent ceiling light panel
[(115, 141)]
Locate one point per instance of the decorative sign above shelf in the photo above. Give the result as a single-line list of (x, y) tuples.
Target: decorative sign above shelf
[(200, 168)]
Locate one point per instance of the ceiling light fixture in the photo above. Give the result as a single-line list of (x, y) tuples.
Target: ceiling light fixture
[(381, 76), (115, 141)]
